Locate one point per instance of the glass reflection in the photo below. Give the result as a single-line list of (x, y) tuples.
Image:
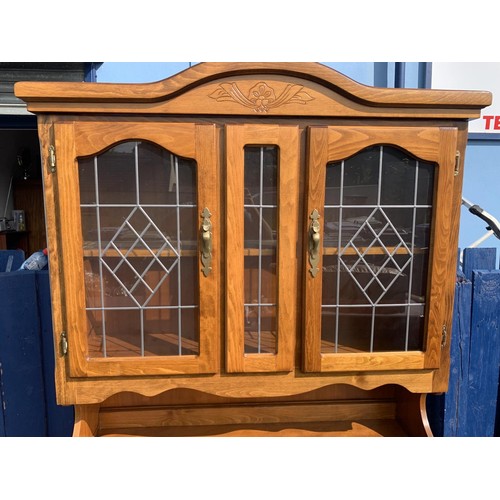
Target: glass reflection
[(377, 226), (260, 241), (139, 228)]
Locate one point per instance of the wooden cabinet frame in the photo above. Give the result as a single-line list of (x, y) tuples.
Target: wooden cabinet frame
[(210, 113), (287, 140), (74, 141), (437, 145)]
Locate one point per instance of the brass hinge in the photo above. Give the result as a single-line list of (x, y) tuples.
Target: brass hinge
[(52, 159), (444, 335), (63, 342), (457, 163)]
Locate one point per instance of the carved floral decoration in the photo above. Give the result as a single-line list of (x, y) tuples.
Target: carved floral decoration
[(261, 97)]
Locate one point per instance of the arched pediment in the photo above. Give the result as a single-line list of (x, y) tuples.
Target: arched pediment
[(285, 89)]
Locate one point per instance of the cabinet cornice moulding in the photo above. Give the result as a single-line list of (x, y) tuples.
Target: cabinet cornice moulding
[(203, 73)]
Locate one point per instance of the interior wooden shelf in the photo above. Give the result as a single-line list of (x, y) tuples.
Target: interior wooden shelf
[(159, 344), (329, 347), (94, 252), (372, 251), (360, 428), (253, 252)]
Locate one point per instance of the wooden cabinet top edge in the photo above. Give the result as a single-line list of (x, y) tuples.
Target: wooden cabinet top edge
[(54, 93)]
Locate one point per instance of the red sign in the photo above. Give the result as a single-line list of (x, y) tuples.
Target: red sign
[(491, 122)]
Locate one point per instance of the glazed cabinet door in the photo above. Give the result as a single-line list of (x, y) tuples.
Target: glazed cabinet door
[(379, 275), (262, 168), (137, 208)]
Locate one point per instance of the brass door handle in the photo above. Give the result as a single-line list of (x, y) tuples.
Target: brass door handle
[(314, 242), (206, 241)]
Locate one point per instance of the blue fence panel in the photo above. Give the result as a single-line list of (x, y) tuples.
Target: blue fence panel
[(27, 387), (60, 419), (470, 406), (484, 355), (455, 409), (20, 356), (483, 259)]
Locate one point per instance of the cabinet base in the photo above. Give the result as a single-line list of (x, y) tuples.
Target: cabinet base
[(388, 411)]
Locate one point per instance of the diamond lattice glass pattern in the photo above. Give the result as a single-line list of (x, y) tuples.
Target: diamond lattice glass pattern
[(375, 232), (378, 209), (140, 251), (149, 242)]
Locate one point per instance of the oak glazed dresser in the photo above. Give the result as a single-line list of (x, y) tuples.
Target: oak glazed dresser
[(251, 249)]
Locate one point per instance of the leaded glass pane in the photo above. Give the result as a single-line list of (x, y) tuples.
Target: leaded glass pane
[(260, 240), (139, 227), (378, 216)]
